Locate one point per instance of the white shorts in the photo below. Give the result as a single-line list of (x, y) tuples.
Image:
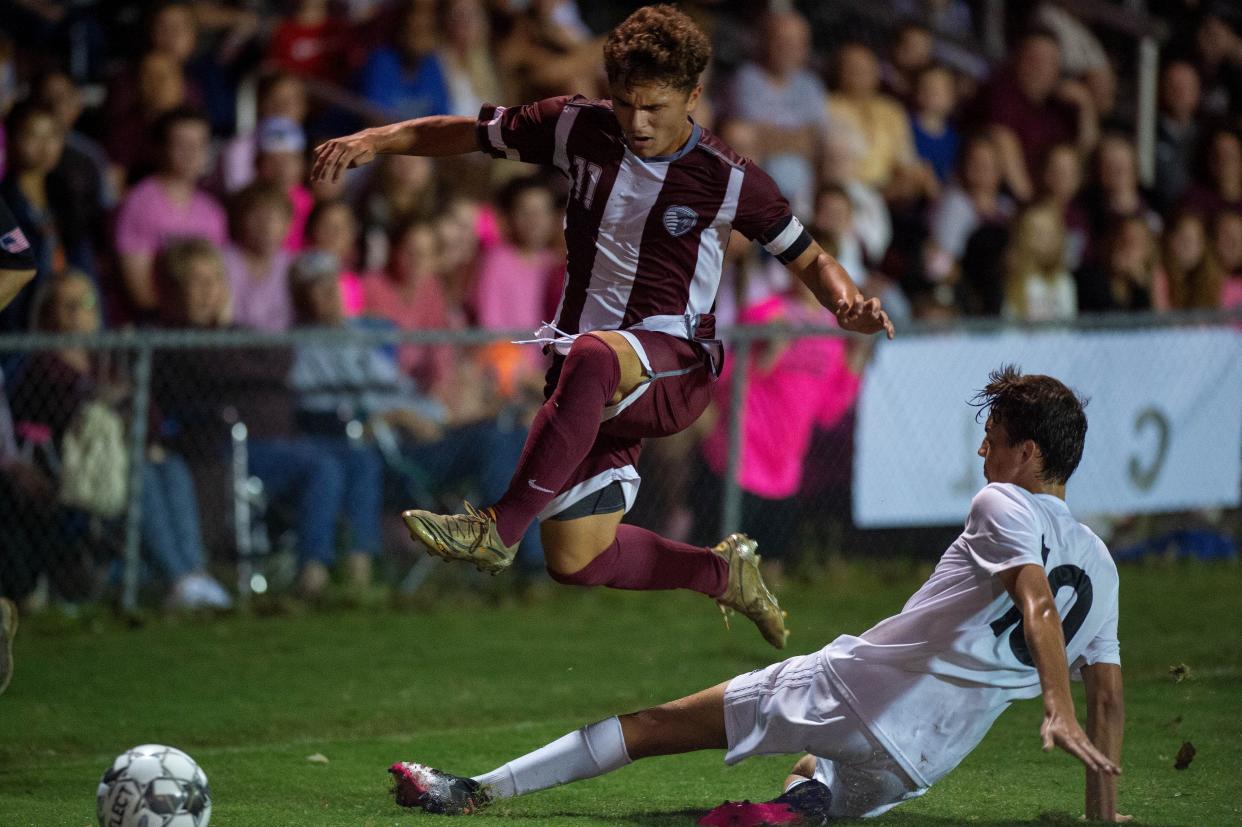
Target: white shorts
[(792, 707)]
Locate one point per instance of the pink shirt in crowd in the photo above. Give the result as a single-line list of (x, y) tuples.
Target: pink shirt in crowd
[(261, 303), (237, 162), (353, 299), (148, 219), (509, 288), (487, 226), (1231, 293), (303, 202), (424, 307), (809, 386)]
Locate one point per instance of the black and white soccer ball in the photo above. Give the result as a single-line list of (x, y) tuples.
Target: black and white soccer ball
[(153, 786)]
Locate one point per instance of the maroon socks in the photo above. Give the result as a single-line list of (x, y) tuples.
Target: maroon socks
[(561, 435), (642, 560)]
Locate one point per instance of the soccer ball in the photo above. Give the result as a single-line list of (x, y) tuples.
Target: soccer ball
[(153, 786)]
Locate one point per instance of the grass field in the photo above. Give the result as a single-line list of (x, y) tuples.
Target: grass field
[(469, 683)]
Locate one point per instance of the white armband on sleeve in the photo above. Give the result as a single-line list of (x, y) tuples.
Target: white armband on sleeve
[(787, 240)]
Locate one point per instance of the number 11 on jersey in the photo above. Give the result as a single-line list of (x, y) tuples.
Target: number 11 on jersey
[(586, 179)]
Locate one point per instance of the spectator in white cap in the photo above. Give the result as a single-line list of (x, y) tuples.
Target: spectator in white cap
[(279, 94), (281, 161)]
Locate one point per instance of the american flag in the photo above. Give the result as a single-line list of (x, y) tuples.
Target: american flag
[(14, 241)]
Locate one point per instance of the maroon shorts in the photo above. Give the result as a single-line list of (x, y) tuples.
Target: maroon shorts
[(674, 396)]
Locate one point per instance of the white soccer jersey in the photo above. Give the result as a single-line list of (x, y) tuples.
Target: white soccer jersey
[(930, 681)]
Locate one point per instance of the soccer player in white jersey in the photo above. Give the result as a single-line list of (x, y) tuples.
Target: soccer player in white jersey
[(653, 201), (1024, 596)]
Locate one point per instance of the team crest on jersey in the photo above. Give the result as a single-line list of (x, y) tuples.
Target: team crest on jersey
[(678, 220)]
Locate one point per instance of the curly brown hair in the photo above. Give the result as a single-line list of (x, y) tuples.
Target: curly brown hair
[(657, 44)]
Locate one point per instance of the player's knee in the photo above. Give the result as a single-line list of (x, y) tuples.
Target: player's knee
[(593, 354), (575, 578), (588, 575), (573, 549)]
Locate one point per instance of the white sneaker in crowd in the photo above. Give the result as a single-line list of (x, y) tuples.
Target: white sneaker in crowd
[(199, 591)]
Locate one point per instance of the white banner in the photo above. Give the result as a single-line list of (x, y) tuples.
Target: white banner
[(1164, 420)]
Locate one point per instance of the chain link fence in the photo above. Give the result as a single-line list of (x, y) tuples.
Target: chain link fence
[(140, 462)]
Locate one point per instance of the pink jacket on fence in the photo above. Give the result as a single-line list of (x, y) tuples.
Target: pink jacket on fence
[(810, 385)]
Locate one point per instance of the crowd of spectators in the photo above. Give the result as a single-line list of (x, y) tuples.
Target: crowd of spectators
[(950, 187)]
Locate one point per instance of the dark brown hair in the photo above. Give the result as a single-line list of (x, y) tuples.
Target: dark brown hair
[(1196, 288), (657, 44), (508, 195), (271, 80), (170, 120), (1041, 409), (256, 194), (27, 111)]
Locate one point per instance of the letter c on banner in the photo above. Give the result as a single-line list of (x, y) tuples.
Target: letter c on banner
[(1144, 477)]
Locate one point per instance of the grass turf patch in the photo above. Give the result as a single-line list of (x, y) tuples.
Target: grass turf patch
[(465, 685)]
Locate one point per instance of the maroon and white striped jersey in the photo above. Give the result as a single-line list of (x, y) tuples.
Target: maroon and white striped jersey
[(646, 237)]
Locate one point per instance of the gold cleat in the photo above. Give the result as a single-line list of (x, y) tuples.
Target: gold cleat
[(471, 537), (747, 593)]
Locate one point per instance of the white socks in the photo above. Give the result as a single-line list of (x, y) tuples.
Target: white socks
[(583, 753)]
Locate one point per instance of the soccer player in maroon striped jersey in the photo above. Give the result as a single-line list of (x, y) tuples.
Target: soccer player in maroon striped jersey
[(653, 201)]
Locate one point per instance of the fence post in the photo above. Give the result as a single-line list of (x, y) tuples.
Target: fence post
[(239, 473), (137, 462), (994, 29), (1145, 122), (731, 508)]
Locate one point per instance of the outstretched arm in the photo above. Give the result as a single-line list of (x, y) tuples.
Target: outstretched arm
[(1106, 720), (436, 135), (836, 291), (1028, 585)]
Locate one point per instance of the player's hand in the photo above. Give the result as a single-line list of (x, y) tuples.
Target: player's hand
[(863, 316), (1065, 733), (333, 157)]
